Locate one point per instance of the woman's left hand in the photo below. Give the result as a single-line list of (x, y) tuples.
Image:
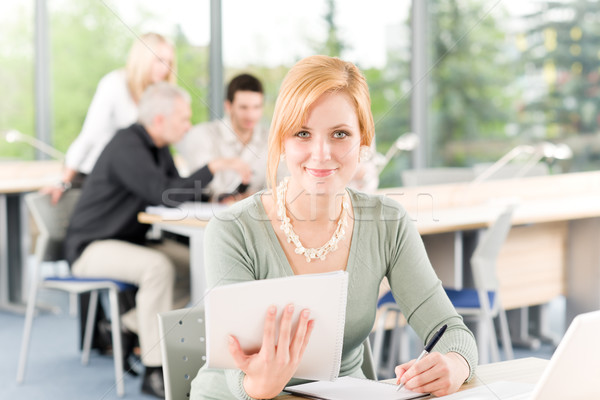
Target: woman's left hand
[(438, 374)]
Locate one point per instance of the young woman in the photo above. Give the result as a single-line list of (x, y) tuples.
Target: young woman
[(313, 223), (115, 105)]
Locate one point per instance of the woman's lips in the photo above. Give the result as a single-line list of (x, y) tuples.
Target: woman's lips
[(320, 173)]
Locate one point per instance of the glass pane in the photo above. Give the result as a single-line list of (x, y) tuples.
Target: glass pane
[(513, 73), (91, 38), (16, 76), (376, 38)]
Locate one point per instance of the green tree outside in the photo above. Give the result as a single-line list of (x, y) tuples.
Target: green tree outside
[(470, 81), (16, 80), (565, 54)]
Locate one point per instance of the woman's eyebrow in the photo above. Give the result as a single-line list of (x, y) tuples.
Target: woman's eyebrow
[(333, 127)]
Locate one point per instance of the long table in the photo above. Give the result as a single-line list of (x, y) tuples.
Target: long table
[(16, 179), (552, 248), (524, 370)]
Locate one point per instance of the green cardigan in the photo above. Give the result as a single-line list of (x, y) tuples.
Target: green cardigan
[(241, 245)]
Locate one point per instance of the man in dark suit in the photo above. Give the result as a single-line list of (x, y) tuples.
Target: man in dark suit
[(104, 238)]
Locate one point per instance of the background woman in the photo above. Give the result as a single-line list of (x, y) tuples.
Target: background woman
[(313, 223), (115, 105)]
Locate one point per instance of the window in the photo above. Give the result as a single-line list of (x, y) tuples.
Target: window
[(88, 39), (91, 38), (510, 73), (16, 76), (266, 38)]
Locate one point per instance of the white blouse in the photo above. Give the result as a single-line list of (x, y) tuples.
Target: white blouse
[(112, 108)]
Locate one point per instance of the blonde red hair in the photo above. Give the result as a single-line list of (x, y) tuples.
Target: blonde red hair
[(306, 82), (139, 63)]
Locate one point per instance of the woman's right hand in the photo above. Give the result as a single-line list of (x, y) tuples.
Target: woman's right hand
[(269, 370)]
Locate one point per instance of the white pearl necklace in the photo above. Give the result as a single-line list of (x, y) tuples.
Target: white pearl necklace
[(286, 227)]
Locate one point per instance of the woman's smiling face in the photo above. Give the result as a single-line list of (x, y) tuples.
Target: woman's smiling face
[(322, 156)]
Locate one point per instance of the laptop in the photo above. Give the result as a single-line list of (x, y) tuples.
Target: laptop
[(574, 368), (572, 373)]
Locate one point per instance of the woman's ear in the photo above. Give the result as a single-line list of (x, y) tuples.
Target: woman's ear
[(365, 153)]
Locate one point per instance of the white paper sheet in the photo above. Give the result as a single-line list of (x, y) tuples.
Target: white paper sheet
[(198, 210), (501, 390), (349, 388)]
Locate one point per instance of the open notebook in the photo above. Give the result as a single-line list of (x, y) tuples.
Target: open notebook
[(239, 309), (349, 388)]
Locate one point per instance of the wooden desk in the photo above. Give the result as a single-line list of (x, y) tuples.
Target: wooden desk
[(551, 250), (17, 178), (526, 370)]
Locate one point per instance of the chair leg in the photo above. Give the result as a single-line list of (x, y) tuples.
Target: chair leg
[(493, 339), (394, 349), (378, 342), (368, 368), (404, 355), (482, 341), (504, 332), (89, 327), (399, 345), (29, 315), (115, 321), (488, 324), (73, 302)]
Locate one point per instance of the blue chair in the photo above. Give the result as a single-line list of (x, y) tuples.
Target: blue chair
[(52, 222), (480, 304)]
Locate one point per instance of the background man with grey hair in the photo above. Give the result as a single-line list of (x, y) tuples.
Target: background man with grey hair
[(104, 238)]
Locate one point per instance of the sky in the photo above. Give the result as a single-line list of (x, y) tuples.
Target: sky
[(274, 32)]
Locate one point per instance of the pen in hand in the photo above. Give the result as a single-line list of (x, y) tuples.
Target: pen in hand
[(428, 348)]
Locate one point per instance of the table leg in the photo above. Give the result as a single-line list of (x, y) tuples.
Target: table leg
[(445, 251), (4, 285), (540, 319), (12, 253), (518, 321), (197, 276)]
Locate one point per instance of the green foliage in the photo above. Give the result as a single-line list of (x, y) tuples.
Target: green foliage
[(88, 41), (391, 113), (192, 75), (469, 77), (16, 80), (564, 51), (333, 45), (471, 84)]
